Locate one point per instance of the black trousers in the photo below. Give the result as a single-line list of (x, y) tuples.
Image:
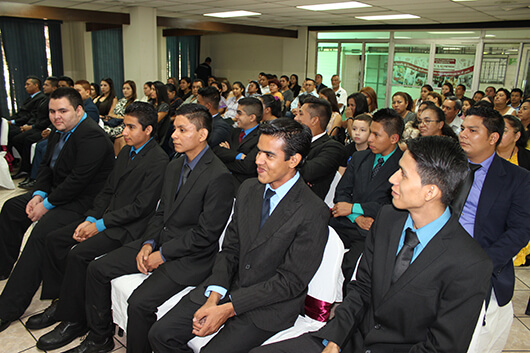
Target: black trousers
[(143, 302), (27, 274), (65, 268), (173, 331), (22, 142), (305, 343)]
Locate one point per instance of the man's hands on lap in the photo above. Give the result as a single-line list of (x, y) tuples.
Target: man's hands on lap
[(364, 222), (341, 209), (331, 348), (84, 231), (211, 316), (35, 209)]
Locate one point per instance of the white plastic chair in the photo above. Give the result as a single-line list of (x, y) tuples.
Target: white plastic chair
[(331, 192), (5, 175), (326, 285)]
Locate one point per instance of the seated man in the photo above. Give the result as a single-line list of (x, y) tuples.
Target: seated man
[(74, 169), (325, 154), (179, 245), (119, 215), (364, 187), (210, 97), (239, 153), (83, 87), (422, 279), (272, 249)]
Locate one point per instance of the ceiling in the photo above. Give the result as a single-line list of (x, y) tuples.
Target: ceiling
[(284, 14)]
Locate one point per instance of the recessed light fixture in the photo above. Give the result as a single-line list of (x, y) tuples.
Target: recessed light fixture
[(334, 6), (387, 17), (232, 14)]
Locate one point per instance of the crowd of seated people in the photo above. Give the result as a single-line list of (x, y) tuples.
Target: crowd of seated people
[(295, 138)]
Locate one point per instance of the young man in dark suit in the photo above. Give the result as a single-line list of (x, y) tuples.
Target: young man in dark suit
[(325, 154), (364, 188), (272, 249), (76, 164), (119, 215), (239, 153), (179, 244), (495, 209), (209, 97), (422, 279)]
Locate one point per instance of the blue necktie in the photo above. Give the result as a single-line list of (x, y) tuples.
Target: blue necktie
[(58, 147), (266, 206)]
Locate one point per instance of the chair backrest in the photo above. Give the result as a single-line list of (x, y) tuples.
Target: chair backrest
[(331, 192), (4, 130)]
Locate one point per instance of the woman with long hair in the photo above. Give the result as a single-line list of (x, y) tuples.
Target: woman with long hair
[(425, 89), (226, 89), (356, 104), (94, 91), (335, 122), (272, 108), (107, 100), (371, 98), (402, 104), (294, 86), (159, 99), (232, 103)]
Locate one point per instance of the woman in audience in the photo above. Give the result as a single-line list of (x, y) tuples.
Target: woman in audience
[(272, 108), (107, 101), (335, 122), (226, 89), (184, 88), (173, 81), (447, 89), (238, 91), (147, 92), (524, 113), (253, 89), (222, 101), (371, 98), (94, 91), (425, 89), (432, 123), (288, 95), (274, 88), (402, 104), (160, 100), (294, 86), (466, 104), (501, 102), (436, 98), (356, 105)]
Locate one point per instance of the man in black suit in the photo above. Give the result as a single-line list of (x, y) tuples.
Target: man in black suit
[(179, 245), (239, 153), (210, 97), (74, 169), (326, 154), (495, 209), (272, 249), (319, 85), (83, 87), (422, 280), (119, 215), (364, 188)]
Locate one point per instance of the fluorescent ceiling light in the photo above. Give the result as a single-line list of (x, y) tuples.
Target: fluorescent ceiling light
[(387, 17), (452, 32), (334, 6), (490, 36), (232, 14)]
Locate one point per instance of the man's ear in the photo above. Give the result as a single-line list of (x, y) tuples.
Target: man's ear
[(295, 160), (432, 192)]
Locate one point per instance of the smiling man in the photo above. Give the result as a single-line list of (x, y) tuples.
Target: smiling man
[(177, 248), (119, 215), (272, 248), (422, 280), (76, 164), (364, 187)]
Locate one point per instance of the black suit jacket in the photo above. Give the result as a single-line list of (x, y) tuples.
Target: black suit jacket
[(432, 307), (502, 224), (523, 157), (220, 131), (322, 163), (187, 227), (266, 272), (241, 169), (81, 169), (28, 108), (130, 194), (40, 118)]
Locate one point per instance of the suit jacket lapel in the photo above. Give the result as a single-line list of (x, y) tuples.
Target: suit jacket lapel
[(365, 171), (494, 178), (252, 217), (250, 137), (127, 168)]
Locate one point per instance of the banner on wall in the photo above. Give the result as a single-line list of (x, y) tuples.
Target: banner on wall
[(413, 70)]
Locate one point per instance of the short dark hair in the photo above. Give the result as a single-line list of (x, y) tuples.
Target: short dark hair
[(364, 117), (285, 77), (391, 121), (211, 95), (199, 80), (463, 86), (198, 115), (252, 105), (208, 60), (295, 136), (479, 92), (321, 108), (310, 79), (494, 89), (458, 102), (507, 93), (429, 87), (428, 104), (440, 161), (482, 103), (436, 96), (439, 113), (68, 80), (492, 119), (35, 80), (145, 113), (69, 93), (270, 101), (187, 79), (54, 81), (517, 90)]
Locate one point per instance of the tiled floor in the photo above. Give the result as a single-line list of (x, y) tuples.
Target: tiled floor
[(17, 338)]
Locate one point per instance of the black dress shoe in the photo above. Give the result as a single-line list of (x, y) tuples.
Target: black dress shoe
[(4, 324), (24, 182), (61, 335), (19, 175), (44, 319), (29, 185), (91, 346)]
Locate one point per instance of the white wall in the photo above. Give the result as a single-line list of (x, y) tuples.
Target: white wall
[(77, 51)]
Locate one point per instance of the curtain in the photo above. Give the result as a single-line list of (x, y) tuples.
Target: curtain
[(182, 55), (107, 52), (24, 46)]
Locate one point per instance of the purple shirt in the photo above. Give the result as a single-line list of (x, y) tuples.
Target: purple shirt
[(467, 219)]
